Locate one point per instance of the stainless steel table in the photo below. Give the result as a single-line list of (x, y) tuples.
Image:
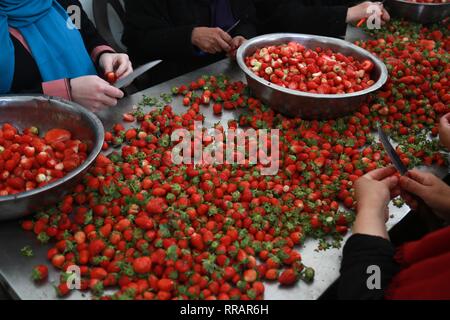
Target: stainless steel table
[(15, 270)]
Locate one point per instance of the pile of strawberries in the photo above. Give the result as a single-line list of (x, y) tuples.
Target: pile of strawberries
[(149, 229), (28, 161)]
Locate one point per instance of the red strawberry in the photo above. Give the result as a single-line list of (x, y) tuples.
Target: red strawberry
[(288, 277), (40, 273)]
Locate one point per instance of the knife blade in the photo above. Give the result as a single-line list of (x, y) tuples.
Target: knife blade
[(136, 73), (233, 26), (393, 155)]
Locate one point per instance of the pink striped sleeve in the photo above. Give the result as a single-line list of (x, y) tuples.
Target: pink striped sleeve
[(57, 88), (95, 54)]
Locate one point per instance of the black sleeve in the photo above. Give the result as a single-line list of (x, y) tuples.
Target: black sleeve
[(245, 11), (295, 16), (149, 33), (91, 37), (360, 252)]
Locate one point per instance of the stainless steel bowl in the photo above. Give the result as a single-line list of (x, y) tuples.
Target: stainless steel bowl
[(47, 113), (303, 104), (418, 12)]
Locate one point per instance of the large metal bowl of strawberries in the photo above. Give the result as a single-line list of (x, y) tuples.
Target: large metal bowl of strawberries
[(44, 114), (422, 11), (290, 99)]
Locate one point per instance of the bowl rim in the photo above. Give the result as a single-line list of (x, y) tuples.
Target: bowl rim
[(422, 3), (97, 148), (277, 36)]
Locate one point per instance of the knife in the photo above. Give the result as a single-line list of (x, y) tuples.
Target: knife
[(136, 73), (424, 211), (393, 155), (233, 26)]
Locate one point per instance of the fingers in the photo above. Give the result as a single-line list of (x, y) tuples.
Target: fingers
[(128, 71), (395, 192), (213, 48), (123, 65), (419, 176), (447, 116), (107, 101), (445, 120), (224, 46), (107, 63), (412, 186), (380, 174), (237, 42), (391, 182), (113, 92), (225, 36)]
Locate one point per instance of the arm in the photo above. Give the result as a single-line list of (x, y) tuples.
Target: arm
[(149, 33), (94, 42), (361, 252), (90, 91), (292, 16), (27, 79), (104, 57), (322, 20), (245, 11), (370, 246)]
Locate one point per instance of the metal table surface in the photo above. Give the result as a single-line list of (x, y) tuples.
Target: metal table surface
[(15, 269)]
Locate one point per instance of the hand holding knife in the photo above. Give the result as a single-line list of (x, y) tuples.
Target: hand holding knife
[(125, 81), (425, 212), (363, 20)]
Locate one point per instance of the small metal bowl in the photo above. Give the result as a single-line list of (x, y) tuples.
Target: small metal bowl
[(47, 113), (306, 105), (418, 12)]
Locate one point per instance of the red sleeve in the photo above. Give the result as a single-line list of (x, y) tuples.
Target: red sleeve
[(57, 88), (97, 51)]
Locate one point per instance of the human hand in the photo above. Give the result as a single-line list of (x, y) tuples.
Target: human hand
[(119, 63), (211, 40), (432, 190), (373, 193), (444, 131), (375, 190), (94, 93), (361, 11), (235, 44)]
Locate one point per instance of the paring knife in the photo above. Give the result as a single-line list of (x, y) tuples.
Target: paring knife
[(233, 26), (425, 212), (136, 73), (393, 155)]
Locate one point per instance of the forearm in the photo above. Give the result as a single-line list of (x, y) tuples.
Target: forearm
[(370, 223), (150, 33), (93, 41), (294, 17), (90, 35), (157, 43)]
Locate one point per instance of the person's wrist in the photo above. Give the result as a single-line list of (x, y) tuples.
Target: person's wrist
[(372, 209), (372, 224)]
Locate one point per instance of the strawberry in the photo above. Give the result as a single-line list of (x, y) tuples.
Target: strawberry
[(288, 277), (39, 273)]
